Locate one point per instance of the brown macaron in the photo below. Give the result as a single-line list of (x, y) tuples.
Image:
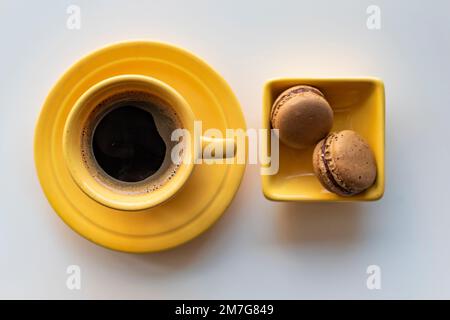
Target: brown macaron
[(302, 115), (344, 163)]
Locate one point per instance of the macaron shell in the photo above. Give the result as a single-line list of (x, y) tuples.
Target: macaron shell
[(289, 92), (303, 119), (321, 172), (351, 161)]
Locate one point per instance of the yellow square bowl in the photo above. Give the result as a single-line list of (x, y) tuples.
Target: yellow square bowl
[(358, 104)]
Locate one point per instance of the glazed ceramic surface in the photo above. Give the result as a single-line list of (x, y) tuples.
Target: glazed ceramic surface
[(358, 104), (207, 192)]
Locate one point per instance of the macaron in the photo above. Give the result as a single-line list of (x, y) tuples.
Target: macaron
[(344, 163), (302, 115)]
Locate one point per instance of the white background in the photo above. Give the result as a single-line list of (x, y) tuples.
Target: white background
[(258, 249)]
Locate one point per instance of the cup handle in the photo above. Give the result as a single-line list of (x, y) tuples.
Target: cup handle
[(208, 144)]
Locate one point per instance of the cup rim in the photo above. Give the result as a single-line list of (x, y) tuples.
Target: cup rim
[(83, 178)]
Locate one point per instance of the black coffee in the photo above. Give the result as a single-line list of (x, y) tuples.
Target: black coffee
[(126, 144)]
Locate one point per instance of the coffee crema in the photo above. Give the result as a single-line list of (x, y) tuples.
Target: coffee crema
[(126, 143)]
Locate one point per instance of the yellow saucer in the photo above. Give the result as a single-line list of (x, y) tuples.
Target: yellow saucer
[(206, 194)]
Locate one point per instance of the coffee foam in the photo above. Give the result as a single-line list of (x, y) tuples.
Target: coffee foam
[(166, 120)]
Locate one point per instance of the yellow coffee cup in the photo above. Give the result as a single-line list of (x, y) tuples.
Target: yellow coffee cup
[(170, 112)]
